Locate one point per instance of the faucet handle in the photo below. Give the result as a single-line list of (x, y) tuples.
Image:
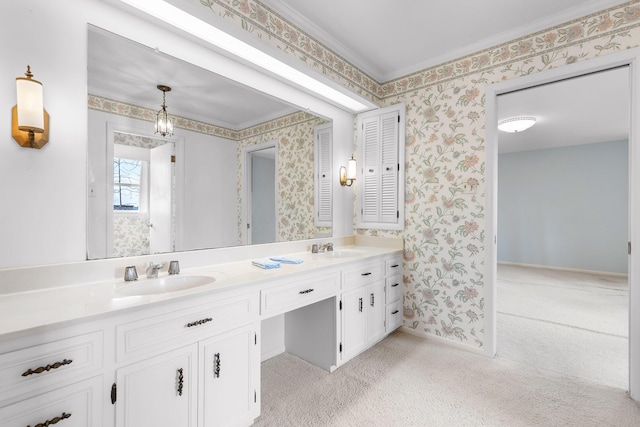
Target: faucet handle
[(174, 267), (130, 274)]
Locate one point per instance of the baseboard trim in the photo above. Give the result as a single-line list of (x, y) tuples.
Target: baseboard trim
[(573, 270), (445, 341), (272, 353)]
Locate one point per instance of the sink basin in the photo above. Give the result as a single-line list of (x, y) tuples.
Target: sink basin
[(163, 285), (341, 253)]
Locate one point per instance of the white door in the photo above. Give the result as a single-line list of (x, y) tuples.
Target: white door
[(160, 187), (228, 393), (354, 323), (159, 392), (375, 312)]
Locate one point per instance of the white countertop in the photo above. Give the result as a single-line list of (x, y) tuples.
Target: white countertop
[(20, 311)]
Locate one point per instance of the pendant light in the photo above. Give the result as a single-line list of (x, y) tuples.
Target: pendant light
[(164, 122)]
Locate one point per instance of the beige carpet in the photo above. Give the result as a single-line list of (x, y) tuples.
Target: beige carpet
[(568, 322), (408, 381)]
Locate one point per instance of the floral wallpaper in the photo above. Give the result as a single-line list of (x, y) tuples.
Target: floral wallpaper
[(295, 191), (445, 220)]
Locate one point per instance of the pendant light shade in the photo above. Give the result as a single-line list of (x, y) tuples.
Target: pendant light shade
[(164, 122)]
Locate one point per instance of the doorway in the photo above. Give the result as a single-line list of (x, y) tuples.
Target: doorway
[(630, 58), (260, 195)]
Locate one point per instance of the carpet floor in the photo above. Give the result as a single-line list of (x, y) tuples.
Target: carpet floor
[(562, 321), (409, 381), (556, 366)]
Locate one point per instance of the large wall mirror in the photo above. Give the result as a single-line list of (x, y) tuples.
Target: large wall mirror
[(149, 193)]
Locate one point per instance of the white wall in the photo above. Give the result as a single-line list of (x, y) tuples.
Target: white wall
[(565, 207), (44, 191)]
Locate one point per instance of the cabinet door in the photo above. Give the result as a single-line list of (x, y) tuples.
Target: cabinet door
[(375, 312), (228, 365), (76, 405), (160, 391), (354, 323)]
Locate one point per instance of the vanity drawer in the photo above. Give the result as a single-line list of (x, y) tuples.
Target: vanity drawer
[(167, 331), (76, 405), (364, 274), (393, 265), (394, 316), (295, 294), (393, 289), (53, 363)]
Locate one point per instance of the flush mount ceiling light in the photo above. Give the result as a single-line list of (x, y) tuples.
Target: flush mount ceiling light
[(516, 124)]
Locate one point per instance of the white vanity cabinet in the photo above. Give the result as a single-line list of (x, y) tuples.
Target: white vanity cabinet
[(393, 292), (159, 391), (211, 379), (51, 377), (362, 308)]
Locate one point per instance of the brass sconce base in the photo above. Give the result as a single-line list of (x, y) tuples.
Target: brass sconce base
[(29, 139)]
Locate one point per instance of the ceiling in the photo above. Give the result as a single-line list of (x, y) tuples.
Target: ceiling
[(126, 71), (582, 110), (388, 39)]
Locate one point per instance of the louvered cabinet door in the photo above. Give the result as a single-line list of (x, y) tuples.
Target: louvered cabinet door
[(381, 192), (323, 168), (370, 203)]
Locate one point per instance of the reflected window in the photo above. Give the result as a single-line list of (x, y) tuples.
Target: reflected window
[(127, 183)]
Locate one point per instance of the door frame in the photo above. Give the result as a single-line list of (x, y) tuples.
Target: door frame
[(630, 57), (246, 182)]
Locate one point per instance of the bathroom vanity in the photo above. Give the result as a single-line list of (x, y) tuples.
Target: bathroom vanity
[(110, 353)]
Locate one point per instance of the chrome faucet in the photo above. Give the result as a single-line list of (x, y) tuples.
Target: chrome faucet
[(327, 247), (152, 269)]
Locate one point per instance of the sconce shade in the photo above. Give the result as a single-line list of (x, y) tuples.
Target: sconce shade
[(29, 120), (348, 174), (351, 169), (164, 122), (30, 105)]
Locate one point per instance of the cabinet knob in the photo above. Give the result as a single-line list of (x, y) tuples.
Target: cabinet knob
[(360, 299), (394, 312)]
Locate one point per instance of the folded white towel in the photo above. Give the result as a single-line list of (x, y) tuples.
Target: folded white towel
[(265, 263), (286, 260)]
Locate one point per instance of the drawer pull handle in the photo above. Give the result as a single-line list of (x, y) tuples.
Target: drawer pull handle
[(199, 322), (373, 300), (306, 291), (53, 421), (180, 382), (46, 368), (395, 266), (394, 285), (216, 365), (360, 299), (394, 312), (365, 274)]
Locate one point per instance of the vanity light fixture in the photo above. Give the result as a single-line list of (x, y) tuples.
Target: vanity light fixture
[(348, 174), (164, 122), (29, 119), (184, 21), (516, 124)]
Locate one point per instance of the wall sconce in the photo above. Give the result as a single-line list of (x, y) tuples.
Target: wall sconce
[(29, 119), (348, 174)]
